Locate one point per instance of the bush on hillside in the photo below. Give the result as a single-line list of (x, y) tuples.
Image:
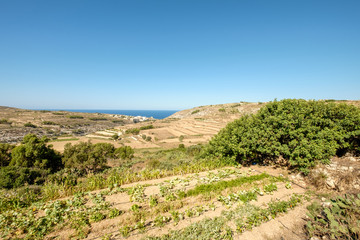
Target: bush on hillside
[(30, 125), (5, 154), (134, 131), (87, 157), (302, 132), (14, 176), (125, 152), (34, 153), (147, 127)]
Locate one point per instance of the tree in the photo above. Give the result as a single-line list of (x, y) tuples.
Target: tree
[(34, 153), (87, 157)]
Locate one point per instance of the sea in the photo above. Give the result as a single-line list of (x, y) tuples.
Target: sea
[(157, 114)]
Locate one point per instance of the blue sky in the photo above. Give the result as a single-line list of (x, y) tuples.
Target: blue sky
[(176, 54)]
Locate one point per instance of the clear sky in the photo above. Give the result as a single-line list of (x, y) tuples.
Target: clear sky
[(176, 54)]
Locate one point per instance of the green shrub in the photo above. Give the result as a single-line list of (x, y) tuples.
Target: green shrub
[(5, 154), (98, 119), (29, 124), (115, 136), (75, 117), (4, 121), (195, 111), (48, 123), (134, 131), (125, 152), (13, 176), (221, 109), (181, 146), (33, 152), (302, 132), (87, 157), (118, 121), (147, 127)]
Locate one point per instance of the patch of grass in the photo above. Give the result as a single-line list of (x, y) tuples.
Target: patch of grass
[(196, 111), (222, 110), (58, 113), (65, 139), (30, 125), (215, 229), (147, 127), (75, 117), (220, 186), (118, 121), (49, 123), (98, 119)]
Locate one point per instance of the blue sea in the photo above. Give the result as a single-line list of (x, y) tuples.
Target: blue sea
[(157, 114)]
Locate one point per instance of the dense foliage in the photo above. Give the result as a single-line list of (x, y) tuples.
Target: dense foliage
[(86, 156), (5, 154), (299, 131), (30, 162), (33, 152), (339, 220), (35, 162)]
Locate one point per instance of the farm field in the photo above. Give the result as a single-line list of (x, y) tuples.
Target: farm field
[(177, 184), (226, 197)]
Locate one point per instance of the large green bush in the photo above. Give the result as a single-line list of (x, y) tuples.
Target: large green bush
[(302, 132), (34, 153), (86, 156), (125, 152), (13, 177)]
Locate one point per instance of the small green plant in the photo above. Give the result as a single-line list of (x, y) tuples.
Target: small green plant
[(196, 111), (125, 230), (137, 193), (135, 208), (49, 123), (153, 201), (339, 220), (176, 216), (30, 125), (160, 221), (114, 213), (221, 109), (270, 188)]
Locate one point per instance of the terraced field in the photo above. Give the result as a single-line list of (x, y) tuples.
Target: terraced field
[(217, 204)]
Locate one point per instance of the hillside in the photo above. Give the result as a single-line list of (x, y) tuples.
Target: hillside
[(15, 123), (188, 127), (166, 191)]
